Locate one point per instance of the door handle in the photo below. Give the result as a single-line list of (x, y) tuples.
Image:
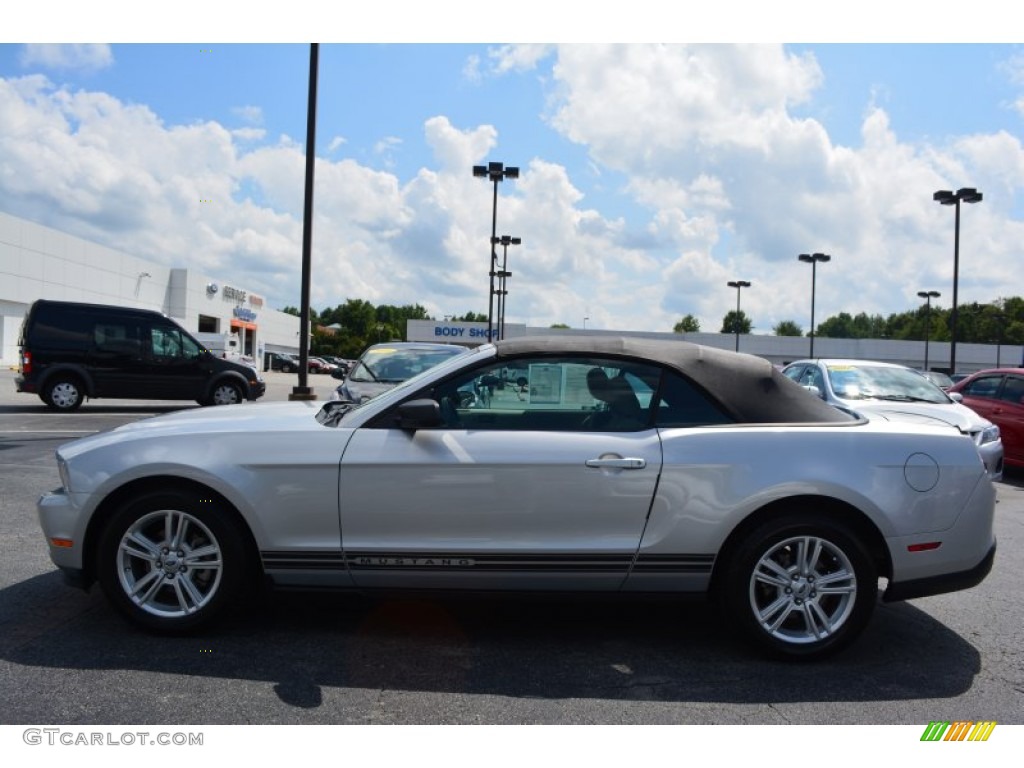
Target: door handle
[(617, 463)]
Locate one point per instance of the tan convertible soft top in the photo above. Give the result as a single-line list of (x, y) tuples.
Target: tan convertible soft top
[(748, 387)]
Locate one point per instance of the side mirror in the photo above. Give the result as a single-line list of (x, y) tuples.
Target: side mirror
[(814, 391), (338, 373), (419, 414), (956, 397)]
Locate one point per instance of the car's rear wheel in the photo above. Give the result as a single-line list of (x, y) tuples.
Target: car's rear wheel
[(801, 587), (63, 393), (171, 561)]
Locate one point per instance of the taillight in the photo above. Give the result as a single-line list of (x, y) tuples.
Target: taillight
[(26, 362)]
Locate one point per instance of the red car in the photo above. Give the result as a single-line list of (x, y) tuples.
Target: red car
[(998, 395)]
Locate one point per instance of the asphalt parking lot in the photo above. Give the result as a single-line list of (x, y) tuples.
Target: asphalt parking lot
[(65, 657)]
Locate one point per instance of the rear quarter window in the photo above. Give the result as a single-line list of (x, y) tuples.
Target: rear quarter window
[(56, 327)]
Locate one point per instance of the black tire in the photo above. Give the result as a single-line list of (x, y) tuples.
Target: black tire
[(225, 393), (289, 369), (772, 587), (63, 392), (171, 561)]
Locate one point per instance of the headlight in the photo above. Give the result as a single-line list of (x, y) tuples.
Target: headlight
[(988, 435), (62, 470)]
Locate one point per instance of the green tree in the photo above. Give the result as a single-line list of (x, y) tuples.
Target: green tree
[(736, 322), (470, 317), (689, 324), (559, 325), (787, 328)]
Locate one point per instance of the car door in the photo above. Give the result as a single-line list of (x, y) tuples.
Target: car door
[(116, 356), (523, 487), (176, 369), (1007, 411)]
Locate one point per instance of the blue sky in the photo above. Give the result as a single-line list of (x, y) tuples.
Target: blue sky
[(650, 174)]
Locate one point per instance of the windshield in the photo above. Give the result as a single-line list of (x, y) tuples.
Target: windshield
[(392, 365), (866, 382)]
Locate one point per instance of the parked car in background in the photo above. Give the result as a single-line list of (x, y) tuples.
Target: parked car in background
[(285, 363), (886, 390), (70, 351), (341, 365), (319, 365), (998, 395), (939, 379), (730, 481), (382, 366)]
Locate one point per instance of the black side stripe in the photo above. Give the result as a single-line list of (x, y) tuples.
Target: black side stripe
[(561, 562)]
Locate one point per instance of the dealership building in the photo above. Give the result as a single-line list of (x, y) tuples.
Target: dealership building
[(37, 262)]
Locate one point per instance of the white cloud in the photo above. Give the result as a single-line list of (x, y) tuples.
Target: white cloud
[(250, 114), (703, 141), (69, 56)]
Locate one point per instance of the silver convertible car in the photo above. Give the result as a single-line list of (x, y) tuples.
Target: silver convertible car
[(599, 464)]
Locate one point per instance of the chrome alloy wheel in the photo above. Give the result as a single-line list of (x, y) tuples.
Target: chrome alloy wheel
[(169, 564), (803, 589)]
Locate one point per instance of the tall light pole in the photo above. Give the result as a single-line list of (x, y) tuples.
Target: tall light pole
[(503, 274), (813, 259), (303, 391), (927, 296), (494, 172), (947, 197), (738, 285)]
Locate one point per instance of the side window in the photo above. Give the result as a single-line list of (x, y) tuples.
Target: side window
[(794, 372), (683, 405), (116, 339), (1013, 390), (551, 394), (983, 386), (166, 343), (61, 328)]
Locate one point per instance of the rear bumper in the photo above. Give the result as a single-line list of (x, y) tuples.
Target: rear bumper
[(937, 585)]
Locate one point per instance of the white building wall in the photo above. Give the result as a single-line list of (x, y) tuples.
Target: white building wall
[(37, 262)]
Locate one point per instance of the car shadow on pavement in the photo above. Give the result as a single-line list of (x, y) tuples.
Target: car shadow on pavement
[(655, 651)]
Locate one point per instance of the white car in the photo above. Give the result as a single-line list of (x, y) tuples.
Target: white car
[(889, 391), (622, 465)]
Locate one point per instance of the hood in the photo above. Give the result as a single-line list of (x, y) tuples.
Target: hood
[(953, 414), (219, 419)]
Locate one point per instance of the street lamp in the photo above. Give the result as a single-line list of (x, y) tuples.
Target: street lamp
[(813, 259), (502, 275), (738, 285), (947, 197), (927, 296), (494, 172)]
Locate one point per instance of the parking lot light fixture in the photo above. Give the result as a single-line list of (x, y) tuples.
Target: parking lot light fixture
[(927, 296), (503, 274), (813, 259), (738, 285), (948, 197), (495, 173)]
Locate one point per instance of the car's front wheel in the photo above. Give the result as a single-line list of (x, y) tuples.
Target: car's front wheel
[(226, 393), (801, 586), (171, 560)]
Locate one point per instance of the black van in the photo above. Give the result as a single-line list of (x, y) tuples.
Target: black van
[(71, 351)]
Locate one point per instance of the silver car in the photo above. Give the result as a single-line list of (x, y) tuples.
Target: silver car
[(614, 465), (890, 391), (382, 366)]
